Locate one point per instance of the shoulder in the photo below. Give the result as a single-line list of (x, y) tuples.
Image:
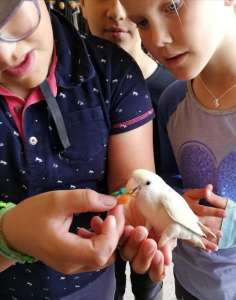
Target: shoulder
[(172, 96), (158, 82), (165, 75), (115, 60)]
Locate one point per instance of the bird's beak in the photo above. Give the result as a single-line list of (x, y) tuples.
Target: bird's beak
[(132, 187)]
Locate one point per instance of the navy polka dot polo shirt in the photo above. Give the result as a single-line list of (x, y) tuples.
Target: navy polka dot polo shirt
[(100, 92)]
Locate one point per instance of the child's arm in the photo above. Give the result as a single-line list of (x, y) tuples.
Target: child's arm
[(129, 151)]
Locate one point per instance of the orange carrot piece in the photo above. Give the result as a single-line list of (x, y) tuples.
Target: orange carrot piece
[(123, 199)]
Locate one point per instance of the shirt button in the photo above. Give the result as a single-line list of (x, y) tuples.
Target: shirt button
[(33, 141), (18, 109)]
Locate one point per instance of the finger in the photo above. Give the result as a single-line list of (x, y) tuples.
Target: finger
[(208, 190), (214, 228), (195, 193), (210, 245), (100, 250), (202, 210), (83, 200), (216, 200), (126, 234), (142, 261), (167, 251), (96, 251), (85, 233), (157, 269), (130, 248), (96, 224), (118, 213)]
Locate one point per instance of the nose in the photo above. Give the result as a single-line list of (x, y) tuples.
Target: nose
[(6, 53), (160, 35), (116, 11)]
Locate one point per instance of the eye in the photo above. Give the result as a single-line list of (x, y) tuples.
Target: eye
[(173, 6), (148, 182), (142, 24)]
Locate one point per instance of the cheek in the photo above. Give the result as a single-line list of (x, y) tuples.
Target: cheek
[(149, 45), (145, 39), (94, 24)]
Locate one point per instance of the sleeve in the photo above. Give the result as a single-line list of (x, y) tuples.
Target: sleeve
[(228, 239), (167, 168), (131, 105)]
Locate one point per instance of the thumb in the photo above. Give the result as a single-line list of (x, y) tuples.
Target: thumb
[(208, 190), (86, 200)]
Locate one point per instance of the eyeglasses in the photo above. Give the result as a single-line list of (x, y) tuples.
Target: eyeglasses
[(22, 23)]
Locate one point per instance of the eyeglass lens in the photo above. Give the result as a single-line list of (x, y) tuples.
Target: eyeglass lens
[(22, 23)]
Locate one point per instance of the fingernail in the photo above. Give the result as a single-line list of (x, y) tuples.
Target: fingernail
[(149, 249), (139, 237), (107, 200)]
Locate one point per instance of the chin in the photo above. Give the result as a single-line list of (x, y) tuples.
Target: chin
[(185, 74), (32, 83)]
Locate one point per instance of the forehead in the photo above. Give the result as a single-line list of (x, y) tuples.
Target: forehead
[(143, 7)]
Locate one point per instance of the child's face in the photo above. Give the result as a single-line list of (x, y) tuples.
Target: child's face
[(184, 39), (25, 64), (107, 19)]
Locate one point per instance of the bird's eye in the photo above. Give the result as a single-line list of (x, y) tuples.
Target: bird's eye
[(148, 182)]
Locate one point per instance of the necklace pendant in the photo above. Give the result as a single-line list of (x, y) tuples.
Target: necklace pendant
[(216, 102)]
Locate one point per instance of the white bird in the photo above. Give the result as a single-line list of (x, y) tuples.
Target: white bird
[(165, 210)]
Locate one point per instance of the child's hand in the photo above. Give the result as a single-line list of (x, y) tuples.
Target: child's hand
[(39, 226), (210, 216), (215, 222), (139, 247), (193, 196)]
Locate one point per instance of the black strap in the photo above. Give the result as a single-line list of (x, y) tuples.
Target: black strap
[(56, 114)]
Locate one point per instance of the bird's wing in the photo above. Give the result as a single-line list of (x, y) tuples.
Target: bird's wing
[(179, 211)]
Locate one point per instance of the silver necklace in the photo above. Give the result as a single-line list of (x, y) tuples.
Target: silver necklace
[(216, 100)]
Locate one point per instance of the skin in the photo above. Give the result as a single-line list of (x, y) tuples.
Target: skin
[(166, 33), (40, 44), (176, 38), (101, 17), (107, 19), (211, 217), (52, 216), (104, 18)]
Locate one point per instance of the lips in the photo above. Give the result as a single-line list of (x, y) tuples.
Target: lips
[(116, 30), (23, 67), (172, 57), (176, 59)]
